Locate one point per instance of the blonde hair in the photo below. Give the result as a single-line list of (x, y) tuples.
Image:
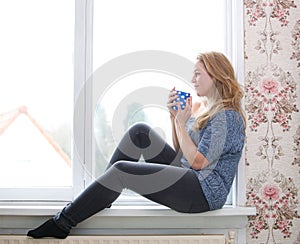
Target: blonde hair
[(227, 93)]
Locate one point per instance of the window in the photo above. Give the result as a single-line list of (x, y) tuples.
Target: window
[(36, 98), (49, 80)]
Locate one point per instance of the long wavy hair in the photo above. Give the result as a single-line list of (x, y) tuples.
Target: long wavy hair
[(227, 93)]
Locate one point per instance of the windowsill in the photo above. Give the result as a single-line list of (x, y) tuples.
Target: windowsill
[(127, 219), (122, 211)]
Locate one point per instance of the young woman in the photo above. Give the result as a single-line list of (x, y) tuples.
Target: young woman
[(195, 176)]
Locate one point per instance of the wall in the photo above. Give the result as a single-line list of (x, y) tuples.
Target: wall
[(272, 84)]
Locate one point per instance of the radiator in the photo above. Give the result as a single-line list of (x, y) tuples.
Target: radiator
[(162, 239)]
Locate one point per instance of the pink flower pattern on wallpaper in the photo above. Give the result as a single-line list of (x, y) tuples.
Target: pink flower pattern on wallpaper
[(270, 100), (269, 85), (270, 192), (276, 204), (256, 9)]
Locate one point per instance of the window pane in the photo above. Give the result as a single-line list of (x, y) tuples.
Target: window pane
[(121, 27), (36, 93), (182, 27)]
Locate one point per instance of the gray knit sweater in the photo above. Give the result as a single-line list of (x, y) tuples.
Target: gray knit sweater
[(221, 141)]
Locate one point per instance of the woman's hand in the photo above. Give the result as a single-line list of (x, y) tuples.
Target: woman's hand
[(172, 102), (184, 114)]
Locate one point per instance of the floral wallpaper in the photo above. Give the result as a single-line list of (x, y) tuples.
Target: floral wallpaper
[(272, 103)]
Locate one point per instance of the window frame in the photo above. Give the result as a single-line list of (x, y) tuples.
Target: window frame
[(83, 151)]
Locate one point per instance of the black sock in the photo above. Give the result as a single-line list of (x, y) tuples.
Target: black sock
[(48, 229)]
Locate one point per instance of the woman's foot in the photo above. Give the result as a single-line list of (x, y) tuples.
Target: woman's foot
[(48, 229)]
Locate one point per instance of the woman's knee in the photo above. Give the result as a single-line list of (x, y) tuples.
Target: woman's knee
[(121, 165), (139, 127), (139, 135)]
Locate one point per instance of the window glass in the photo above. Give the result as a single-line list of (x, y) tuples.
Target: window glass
[(36, 93), (184, 28)]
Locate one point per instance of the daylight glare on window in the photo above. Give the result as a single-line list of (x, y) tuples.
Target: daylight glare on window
[(36, 93)]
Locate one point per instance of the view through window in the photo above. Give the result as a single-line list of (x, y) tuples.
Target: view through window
[(36, 93)]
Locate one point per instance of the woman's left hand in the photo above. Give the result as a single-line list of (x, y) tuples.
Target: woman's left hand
[(184, 114)]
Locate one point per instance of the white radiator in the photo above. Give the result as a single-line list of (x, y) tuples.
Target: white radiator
[(163, 239)]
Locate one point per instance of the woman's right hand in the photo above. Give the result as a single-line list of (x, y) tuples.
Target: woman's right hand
[(172, 102)]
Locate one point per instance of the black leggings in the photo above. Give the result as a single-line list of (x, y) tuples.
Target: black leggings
[(160, 179)]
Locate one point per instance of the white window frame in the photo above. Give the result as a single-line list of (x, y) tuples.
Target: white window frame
[(83, 155)]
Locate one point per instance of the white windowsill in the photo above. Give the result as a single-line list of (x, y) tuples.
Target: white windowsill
[(122, 211), (19, 219)]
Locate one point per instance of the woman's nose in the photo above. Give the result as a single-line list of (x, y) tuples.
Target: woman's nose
[(193, 79)]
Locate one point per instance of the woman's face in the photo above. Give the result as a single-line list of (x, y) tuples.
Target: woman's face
[(203, 83)]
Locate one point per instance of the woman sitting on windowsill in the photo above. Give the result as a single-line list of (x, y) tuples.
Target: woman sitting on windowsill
[(193, 178)]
